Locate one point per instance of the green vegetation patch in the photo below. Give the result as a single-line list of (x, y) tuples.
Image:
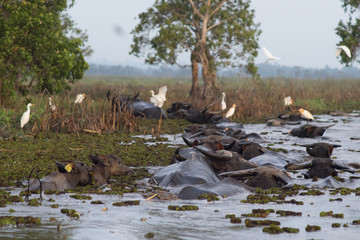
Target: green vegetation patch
[(72, 213), (291, 230), (273, 229), (96, 202), (81, 197), (183, 208), (19, 221), (255, 223), (326, 214), (288, 213), (235, 220), (312, 228), (127, 203), (312, 192), (209, 197), (335, 225), (34, 202)]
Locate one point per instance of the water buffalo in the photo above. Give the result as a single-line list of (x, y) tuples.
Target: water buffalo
[(138, 107), (270, 158), (262, 177), (309, 131), (106, 166), (320, 167), (71, 175), (212, 142), (226, 187), (178, 110), (321, 150), (248, 149), (225, 161), (194, 170)]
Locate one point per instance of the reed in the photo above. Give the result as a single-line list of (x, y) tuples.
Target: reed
[(255, 101)]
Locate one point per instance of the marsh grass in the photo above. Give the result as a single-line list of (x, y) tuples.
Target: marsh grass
[(255, 101)]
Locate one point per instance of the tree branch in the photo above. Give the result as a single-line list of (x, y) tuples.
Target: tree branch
[(217, 8), (219, 23), (196, 11)]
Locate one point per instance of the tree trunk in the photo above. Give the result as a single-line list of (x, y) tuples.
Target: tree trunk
[(195, 89), (210, 91)]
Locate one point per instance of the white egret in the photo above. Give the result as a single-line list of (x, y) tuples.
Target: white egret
[(269, 56), (343, 48), (288, 101), (159, 99), (26, 116), (306, 114), (80, 97), (223, 103), (52, 106), (231, 111)]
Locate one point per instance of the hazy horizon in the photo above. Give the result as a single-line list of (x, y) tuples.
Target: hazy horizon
[(301, 32)]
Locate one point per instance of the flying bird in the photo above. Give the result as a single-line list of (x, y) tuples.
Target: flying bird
[(223, 103), (231, 111), (52, 106), (288, 101), (80, 97), (306, 114), (269, 56), (343, 48), (26, 116), (159, 99)]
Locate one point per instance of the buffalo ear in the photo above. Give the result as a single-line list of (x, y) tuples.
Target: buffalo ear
[(220, 146), (61, 167), (94, 159), (331, 148)]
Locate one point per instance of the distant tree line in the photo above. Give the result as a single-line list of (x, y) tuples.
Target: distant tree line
[(264, 70)]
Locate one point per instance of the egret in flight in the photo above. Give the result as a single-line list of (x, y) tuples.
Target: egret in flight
[(269, 56), (223, 103), (26, 116), (231, 111), (344, 48), (79, 98), (159, 99)]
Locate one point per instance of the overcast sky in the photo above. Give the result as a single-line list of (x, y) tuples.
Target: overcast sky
[(300, 32)]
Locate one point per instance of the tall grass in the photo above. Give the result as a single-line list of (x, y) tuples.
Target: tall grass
[(255, 101)]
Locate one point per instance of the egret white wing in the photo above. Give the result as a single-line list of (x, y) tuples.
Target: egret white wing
[(345, 49), (267, 53)]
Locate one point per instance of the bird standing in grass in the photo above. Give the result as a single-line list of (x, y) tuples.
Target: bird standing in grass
[(52, 106), (79, 98), (159, 99), (223, 103), (231, 111), (306, 114), (287, 101), (26, 116)]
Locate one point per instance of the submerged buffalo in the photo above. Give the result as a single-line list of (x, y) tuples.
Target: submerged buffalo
[(320, 167), (226, 187), (309, 131), (194, 170), (262, 177), (71, 175), (106, 166), (138, 107), (225, 161), (321, 150)]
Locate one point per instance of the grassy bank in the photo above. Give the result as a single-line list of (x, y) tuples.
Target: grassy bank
[(75, 131)]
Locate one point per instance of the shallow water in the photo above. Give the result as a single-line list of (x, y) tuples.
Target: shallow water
[(209, 221)]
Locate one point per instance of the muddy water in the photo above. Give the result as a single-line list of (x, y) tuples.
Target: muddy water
[(209, 221)]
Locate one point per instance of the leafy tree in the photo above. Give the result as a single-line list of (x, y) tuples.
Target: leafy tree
[(216, 33), (39, 45), (349, 32)]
